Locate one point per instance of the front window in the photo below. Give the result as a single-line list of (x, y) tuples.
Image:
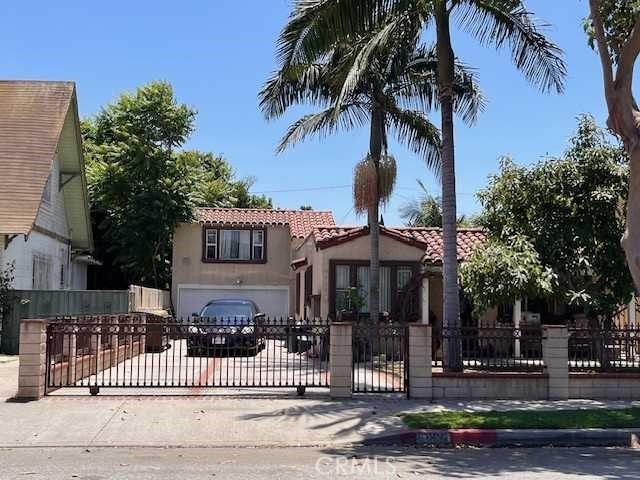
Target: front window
[(355, 278), (234, 245)]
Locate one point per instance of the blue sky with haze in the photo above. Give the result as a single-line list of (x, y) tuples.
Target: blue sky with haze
[(217, 54)]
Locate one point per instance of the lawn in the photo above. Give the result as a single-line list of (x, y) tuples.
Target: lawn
[(591, 418)]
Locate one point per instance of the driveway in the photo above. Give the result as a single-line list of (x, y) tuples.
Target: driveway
[(273, 366)]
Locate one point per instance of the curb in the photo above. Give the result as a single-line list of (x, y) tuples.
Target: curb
[(512, 438)]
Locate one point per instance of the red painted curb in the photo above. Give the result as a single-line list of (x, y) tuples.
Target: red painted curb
[(472, 437)]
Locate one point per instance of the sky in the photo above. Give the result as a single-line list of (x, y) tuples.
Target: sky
[(217, 55)]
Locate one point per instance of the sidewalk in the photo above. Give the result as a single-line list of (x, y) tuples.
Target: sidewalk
[(228, 418)]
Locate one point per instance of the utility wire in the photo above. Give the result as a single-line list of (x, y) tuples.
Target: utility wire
[(333, 187)]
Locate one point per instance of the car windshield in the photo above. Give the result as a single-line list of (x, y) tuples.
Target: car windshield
[(229, 312)]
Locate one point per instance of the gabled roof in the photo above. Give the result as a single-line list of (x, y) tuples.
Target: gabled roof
[(300, 222), (428, 239), (34, 118)]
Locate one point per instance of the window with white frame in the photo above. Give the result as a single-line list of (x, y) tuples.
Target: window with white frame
[(42, 267), (234, 245), (211, 244), (258, 245)]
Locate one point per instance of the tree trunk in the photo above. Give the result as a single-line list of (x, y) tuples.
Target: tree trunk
[(452, 351), (631, 237), (624, 121), (376, 142)]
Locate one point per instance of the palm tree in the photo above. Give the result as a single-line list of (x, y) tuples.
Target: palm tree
[(315, 25), (426, 211), (399, 78)]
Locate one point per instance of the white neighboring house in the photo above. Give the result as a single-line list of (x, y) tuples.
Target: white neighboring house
[(45, 229)]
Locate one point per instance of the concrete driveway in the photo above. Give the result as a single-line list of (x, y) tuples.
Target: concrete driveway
[(272, 366)]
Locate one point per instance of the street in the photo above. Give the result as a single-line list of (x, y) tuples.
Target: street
[(315, 463)]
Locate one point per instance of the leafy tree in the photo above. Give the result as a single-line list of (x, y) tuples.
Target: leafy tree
[(501, 272), (361, 80), (138, 188), (141, 185), (216, 185), (318, 24), (570, 210), (614, 29)]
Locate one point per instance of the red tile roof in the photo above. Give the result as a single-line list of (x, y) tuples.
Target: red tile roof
[(300, 222), (468, 239), (430, 239)]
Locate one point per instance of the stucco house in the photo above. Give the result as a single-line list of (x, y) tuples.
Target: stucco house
[(45, 229), (300, 263)]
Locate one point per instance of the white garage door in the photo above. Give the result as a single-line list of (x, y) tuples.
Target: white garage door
[(274, 302)]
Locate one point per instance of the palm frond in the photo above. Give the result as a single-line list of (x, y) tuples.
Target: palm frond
[(417, 88), (413, 128), (362, 61), (315, 26), (324, 123), (507, 22), (295, 85)]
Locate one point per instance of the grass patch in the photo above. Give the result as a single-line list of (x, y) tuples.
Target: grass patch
[(588, 418)]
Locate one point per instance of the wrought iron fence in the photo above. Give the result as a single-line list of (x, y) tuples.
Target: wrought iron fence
[(490, 349), (379, 357), (604, 350), (193, 353)]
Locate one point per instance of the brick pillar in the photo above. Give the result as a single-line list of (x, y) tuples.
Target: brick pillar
[(32, 370), (555, 353), (420, 380), (69, 347), (340, 360)]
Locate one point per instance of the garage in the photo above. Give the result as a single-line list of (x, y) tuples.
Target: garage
[(273, 301)]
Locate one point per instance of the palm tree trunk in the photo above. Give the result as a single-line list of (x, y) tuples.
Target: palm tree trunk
[(376, 142), (452, 351)]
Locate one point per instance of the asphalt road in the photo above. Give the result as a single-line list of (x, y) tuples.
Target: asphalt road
[(316, 463)]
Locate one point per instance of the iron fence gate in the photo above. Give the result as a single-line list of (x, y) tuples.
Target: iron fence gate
[(380, 356), (143, 352)]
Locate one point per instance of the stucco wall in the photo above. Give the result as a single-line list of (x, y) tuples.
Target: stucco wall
[(435, 298), (188, 267), (486, 386), (604, 386)]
